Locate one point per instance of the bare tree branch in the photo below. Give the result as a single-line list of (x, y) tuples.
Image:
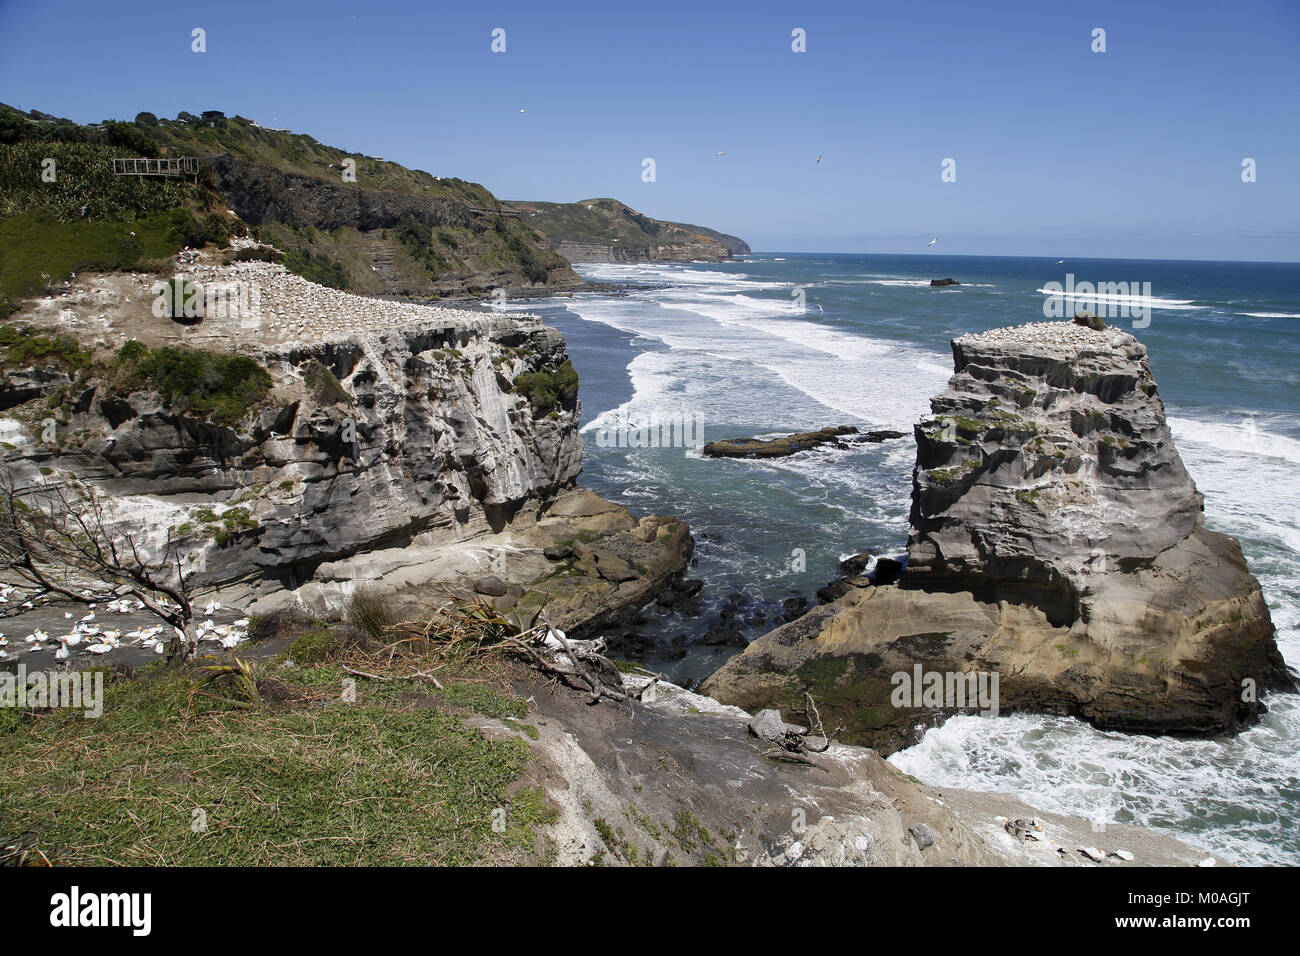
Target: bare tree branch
[(48, 536)]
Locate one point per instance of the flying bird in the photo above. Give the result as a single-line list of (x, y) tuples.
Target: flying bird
[(721, 152), (933, 241), (819, 159)]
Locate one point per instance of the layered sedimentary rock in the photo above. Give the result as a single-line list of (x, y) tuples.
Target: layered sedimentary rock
[(402, 447), (1058, 542), (438, 444)]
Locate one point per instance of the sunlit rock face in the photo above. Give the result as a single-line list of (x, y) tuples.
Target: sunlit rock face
[(1058, 543)]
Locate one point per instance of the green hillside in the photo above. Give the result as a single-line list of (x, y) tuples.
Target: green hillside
[(622, 232), (392, 231)]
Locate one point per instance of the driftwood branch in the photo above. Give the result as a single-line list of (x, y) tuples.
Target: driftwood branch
[(577, 664)]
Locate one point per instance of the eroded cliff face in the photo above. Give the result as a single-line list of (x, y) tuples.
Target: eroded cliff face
[(1046, 464), (1057, 542), (415, 452), (606, 230), (702, 250), (366, 440)]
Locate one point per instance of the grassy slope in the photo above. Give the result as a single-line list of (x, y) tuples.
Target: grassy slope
[(304, 777), (301, 154), (439, 264), (87, 218)]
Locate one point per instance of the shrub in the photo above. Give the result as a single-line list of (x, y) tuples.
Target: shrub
[(317, 267), (211, 385), (130, 137), (325, 386), (547, 389), (24, 346), (369, 613)]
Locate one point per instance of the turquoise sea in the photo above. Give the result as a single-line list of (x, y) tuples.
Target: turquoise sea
[(729, 349)]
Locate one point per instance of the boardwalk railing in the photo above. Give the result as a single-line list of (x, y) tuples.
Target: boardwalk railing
[(180, 166)]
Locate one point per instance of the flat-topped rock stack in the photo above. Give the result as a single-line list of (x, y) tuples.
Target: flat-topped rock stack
[(1046, 462), (1058, 542)]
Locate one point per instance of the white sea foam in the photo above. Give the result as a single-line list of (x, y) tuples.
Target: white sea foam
[(845, 375), (1248, 436), (1183, 786), (1140, 301)]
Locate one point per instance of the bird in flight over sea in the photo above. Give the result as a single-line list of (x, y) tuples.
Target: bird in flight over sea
[(819, 159), (523, 111), (1059, 261), (933, 241), (721, 152)]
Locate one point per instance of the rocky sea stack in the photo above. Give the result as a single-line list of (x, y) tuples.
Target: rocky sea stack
[(1058, 542)]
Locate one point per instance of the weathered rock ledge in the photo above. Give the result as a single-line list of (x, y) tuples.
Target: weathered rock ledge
[(1058, 542), (678, 779)]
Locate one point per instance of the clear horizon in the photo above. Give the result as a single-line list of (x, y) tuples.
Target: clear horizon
[(1059, 151), (995, 255)]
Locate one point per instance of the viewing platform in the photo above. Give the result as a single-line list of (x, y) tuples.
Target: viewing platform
[(179, 166)]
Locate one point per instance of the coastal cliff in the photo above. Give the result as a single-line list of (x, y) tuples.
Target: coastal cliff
[(423, 453), (606, 230), (361, 443), (1058, 542)]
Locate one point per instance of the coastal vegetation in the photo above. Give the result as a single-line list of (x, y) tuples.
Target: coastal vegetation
[(38, 251), (25, 346), (172, 777), (606, 222), (362, 745), (215, 386), (550, 388), (383, 228)]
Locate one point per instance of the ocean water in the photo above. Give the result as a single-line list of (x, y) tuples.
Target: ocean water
[(727, 348)]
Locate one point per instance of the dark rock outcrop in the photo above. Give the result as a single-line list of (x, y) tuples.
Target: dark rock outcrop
[(778, 447), (836, 436), (944, 282)]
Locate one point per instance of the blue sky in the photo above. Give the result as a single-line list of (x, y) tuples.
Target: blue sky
[(1059, 151)]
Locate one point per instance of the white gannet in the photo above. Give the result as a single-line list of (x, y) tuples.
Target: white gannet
[(933, 241)]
